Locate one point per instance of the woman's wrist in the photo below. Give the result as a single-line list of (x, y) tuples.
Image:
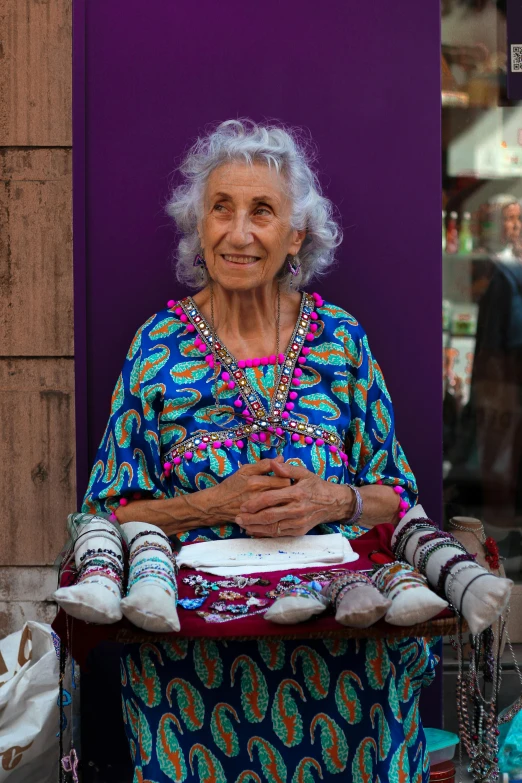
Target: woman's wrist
[(343, 503), (178, 514)]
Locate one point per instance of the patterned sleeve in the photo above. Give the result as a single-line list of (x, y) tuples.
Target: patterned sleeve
[(373, 449), (128, 461)]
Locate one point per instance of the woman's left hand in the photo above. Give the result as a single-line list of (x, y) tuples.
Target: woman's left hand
[(294, 510)]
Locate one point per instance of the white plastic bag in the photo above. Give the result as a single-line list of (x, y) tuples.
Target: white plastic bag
[(29, 712)]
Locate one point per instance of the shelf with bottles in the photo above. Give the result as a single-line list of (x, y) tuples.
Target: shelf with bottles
[(491, 231), (459, 319)]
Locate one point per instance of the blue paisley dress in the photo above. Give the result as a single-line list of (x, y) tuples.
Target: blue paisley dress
[(263, 710)]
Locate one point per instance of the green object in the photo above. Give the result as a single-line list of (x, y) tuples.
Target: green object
[(465, 238), (437, 739)]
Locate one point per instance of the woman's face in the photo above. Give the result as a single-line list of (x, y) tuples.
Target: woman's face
[(511, 222), (245, 231)]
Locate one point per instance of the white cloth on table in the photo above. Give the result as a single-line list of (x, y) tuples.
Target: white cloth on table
[(236, 556)]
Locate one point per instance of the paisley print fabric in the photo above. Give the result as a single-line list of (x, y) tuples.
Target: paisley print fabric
[(260, 711), (163, 410), (276, 711)]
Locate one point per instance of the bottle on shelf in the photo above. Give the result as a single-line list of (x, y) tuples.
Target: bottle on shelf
[(465, 236), (452, 234), (443, 230)]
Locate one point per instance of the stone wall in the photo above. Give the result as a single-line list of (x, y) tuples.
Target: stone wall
[(37, 475)]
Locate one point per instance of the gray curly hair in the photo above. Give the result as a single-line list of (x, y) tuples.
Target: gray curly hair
[(291, 155)]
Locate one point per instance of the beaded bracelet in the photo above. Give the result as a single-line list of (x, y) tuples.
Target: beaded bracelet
[(389, 579), (101, 571), (170, 577), (145, 577), (149, 533), (91, 578), (485, 573), (136, 574), (157, 547), (385, 575), (107, 587), (346, 589), (336, 584), (333, 590), (93, 534), (452, 576), (109, 552), (103, 562), (400, 585), (388, 569), (151, 560), (409, 529), (446, 568), (113, 533), (435, 547), (303, 590), (170, 574), (425, 539), (358, 506)]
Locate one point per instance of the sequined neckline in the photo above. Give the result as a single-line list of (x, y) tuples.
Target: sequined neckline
[(283, 371)]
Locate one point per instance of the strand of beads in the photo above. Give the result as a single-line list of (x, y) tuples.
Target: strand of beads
[(478, 720)]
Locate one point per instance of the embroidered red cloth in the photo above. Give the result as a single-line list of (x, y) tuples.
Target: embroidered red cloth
[(82, 636)]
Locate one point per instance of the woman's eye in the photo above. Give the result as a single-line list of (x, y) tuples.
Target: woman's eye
[(262, 211), (219, 207)]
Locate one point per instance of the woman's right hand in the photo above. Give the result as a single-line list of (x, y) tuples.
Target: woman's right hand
[(216, 505), (226, 498)]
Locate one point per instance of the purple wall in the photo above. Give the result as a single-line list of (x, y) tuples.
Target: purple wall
[(362, 77)]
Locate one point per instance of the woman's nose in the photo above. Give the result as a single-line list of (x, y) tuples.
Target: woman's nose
[(240, 230)]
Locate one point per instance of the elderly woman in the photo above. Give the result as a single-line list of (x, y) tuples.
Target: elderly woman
[(256, 409)]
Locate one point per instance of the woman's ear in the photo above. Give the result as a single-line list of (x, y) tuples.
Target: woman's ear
[(298, 239)]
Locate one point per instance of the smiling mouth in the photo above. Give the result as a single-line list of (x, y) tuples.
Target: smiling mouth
[(239, 260)]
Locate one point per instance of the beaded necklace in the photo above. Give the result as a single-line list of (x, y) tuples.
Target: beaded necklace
[(478, 722), (491, 554)]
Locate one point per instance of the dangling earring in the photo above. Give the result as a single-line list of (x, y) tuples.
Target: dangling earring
[(294, 265), (199, 261)]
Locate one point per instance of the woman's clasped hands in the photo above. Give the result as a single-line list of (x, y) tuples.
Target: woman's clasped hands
[(290, 501)]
